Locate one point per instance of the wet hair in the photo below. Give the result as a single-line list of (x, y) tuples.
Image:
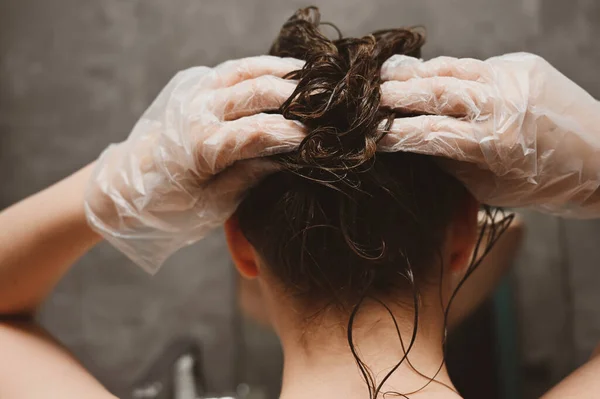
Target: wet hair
[(342, 223)]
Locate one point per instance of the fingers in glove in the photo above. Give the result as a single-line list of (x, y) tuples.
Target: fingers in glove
[(439, 136), (402, 68), (438, 96), (251, 97), (248, 137), (232, 72), (233, 182)]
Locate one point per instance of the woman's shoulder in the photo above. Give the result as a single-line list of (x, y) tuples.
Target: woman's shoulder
[(34, 365), (583, 383)]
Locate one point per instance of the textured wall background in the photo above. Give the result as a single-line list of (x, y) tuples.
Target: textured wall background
[(75, 74)]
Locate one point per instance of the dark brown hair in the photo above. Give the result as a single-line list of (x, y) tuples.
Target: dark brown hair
[(342, 222)]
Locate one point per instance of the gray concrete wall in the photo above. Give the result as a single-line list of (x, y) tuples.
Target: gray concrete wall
[(75, 74)]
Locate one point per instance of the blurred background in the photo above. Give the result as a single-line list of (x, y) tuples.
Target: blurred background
[(76, 74)]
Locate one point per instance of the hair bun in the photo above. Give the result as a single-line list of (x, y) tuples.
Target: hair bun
[(338, 93)]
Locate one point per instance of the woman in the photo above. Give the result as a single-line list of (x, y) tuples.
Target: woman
[(358, 255)]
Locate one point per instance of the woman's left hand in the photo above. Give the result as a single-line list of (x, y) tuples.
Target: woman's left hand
[(191, 157)]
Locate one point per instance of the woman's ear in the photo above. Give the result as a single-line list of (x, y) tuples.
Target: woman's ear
[(241, 250), (463, 234)]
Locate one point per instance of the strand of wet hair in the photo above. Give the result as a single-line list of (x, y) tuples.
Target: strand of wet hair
[(497, 228), (398, 332), (415, 292)]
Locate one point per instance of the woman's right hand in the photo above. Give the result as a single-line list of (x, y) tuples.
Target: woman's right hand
[(512, 128), (190, 158)]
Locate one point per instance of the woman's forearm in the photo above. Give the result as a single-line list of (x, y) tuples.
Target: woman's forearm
[(40, 237)]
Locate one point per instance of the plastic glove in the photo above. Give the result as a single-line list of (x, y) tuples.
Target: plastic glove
[(190, 158), (512, 128)]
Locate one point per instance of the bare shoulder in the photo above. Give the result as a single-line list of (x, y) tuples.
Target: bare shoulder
[(583, 383), (434, 392), (34, 365)]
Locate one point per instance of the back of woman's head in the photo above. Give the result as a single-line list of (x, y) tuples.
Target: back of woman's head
[(342, 221)]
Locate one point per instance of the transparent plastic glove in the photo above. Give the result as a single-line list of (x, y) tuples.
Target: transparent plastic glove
[(512, 128), (190, 158)]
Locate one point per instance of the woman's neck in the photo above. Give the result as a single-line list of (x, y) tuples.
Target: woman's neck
[(319, 362)]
